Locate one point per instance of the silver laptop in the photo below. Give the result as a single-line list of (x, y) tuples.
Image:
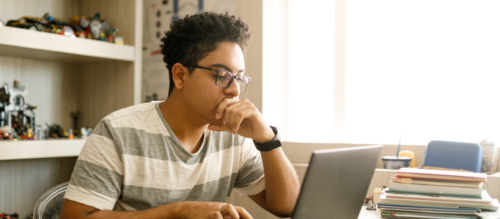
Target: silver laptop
[(336, 183)]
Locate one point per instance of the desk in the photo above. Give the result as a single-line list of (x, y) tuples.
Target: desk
[(370, 214)]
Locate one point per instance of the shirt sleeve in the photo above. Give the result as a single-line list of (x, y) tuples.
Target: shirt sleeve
[(98, 174), (250, 178)]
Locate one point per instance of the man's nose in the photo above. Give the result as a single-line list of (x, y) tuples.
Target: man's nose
[(234, 88)]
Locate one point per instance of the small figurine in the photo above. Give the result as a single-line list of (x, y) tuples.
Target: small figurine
[(67, 31), (75, 116), (83, 131), (112, 35), (81, 26), (55, 131), (96, 26), (119, 40), (371, 206), (82, 34), (102, 37), (39, 134), (30, 134)]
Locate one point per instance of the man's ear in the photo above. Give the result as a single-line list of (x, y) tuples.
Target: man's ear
[(178, 74)]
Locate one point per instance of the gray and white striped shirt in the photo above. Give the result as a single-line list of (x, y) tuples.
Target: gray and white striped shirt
[(133, 161)]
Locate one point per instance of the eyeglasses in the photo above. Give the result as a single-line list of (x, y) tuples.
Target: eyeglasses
[(224, 78)]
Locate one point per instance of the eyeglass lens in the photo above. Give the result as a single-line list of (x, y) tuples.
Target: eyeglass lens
[(223, 79)]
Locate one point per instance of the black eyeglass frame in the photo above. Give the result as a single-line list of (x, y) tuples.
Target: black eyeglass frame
[(233, 76)]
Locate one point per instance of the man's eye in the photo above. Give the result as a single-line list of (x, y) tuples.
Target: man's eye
[(223, 78)]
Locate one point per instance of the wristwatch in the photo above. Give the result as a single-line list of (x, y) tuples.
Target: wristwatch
[(270, 145)]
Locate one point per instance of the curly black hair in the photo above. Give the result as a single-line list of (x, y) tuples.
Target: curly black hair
[(191, 39)]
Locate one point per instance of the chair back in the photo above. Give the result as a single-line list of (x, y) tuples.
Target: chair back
[(50, 204), (454, 155)]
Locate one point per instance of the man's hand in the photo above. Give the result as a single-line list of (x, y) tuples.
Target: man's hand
[(185, 210), (210, 210), (242, 117)]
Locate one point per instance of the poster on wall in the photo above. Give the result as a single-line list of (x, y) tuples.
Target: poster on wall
[(158, 15)]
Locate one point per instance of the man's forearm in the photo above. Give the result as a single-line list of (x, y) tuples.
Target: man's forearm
[(160, 212), (72, 210), (282, 184)]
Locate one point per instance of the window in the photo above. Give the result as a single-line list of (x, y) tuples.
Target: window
[(299, 63), (423, 70)]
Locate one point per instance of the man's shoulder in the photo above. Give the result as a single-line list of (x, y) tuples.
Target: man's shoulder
[(135, 111)]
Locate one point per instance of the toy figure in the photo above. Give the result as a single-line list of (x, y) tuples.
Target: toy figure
[(112, 35), (67, 31), (39, 133), (82, 34), (4, 102), (15, 113), (96, 26), (30, 134), (75, 116), (55, 131), (119, 40)]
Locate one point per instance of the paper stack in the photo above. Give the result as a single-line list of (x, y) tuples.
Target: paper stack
[(424, 193)]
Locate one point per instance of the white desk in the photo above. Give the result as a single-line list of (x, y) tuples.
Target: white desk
[(370, 214)]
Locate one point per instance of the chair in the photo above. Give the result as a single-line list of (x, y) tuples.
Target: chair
[(50, 204), (454, 155)]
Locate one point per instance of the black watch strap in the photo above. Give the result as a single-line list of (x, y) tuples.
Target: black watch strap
[(270, 145)]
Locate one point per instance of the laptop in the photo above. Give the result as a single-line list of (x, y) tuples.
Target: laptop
[(336, 183)]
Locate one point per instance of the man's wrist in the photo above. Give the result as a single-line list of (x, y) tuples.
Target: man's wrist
[(269, 137), (271, 144)]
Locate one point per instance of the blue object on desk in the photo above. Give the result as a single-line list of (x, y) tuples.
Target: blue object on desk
[(454, 155)]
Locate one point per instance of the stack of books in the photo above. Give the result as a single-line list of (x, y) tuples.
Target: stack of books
[(424, 193)]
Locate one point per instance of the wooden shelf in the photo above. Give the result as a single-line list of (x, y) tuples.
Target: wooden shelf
[(16, 42), (14, 150)]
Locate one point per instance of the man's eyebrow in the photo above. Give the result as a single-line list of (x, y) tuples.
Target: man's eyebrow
[(226, 68)]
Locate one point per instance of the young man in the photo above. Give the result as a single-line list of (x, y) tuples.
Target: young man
[(181, 158)]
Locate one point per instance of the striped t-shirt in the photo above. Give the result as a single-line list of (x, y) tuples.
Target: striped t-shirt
[(133, 161)]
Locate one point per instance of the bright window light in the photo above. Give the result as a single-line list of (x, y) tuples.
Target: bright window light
[(425, 70), (298, 69)]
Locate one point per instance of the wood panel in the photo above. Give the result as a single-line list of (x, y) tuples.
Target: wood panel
[(23, 182), (104, 88)]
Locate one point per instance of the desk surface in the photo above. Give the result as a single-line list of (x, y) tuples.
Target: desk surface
[(370, 214)]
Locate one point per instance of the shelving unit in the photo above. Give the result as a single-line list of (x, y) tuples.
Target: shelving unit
[(16, 42), (16, 150), (63, 75)]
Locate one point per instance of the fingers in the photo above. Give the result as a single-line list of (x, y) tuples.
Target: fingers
[(235, 113), (232, 112), (217, 215), (221, 127), (222, 106), (243, 213), (229, 210)]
